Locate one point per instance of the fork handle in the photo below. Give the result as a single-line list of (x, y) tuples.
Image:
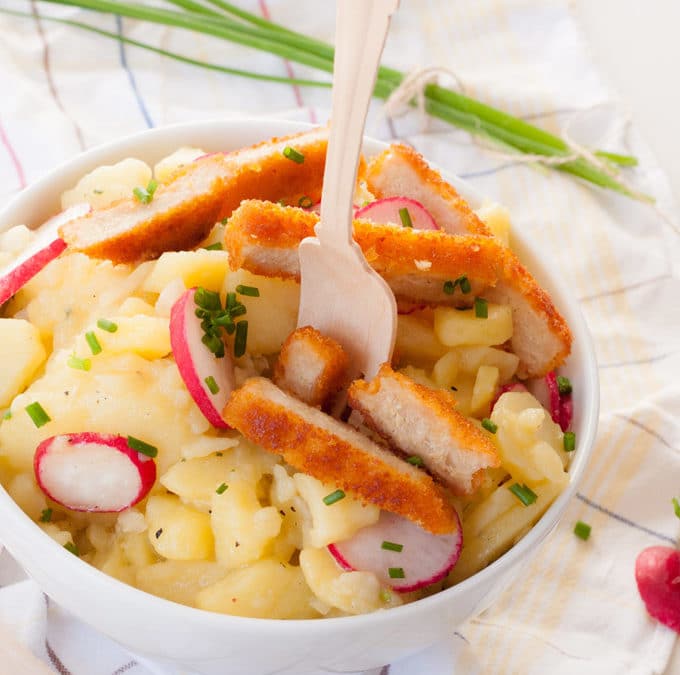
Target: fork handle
[(360, 32)]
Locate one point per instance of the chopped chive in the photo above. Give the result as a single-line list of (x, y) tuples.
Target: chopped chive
[(305, 202), (481, 308), (107, 325), (37, 413), (582, 530), (46, 515), (241, 338), (415, 460), (396, 572), (224, 221), (217, 246), (385, 595), (405, 217), (91, 338), (71, 548), (231, 300), (211, 384), (489, 425), (214, 344), (237, 310), (293, 155), (676, 506), (224, 320), (145, 195), (449, 287), (281, 202), (464, 284), (563, 384), (222, 489), (7, 415), (141, 446), (206, 299), (525, 494), (78, 364), (569, 441), (333, 497), (152, 187), (391, 546), (251, 291)]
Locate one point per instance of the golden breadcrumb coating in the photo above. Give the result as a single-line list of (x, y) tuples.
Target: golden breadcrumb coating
[(311, 366), (335, 453)]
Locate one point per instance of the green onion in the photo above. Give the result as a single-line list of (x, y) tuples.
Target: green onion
[(37, 413), (489, 425), (248, 290), (525, 494), (396, 572), (333, 497), (145, 195), (107, 325), (214, 344), (305, 202), (464, 284), (481, 308), (78, 364), (255, 32), (211, 384), (217, 246), (582, 530), (71, 548), (222, 489), (224, 221), (569, 441), (293, 155), (241, 338), (449, 287), (7, 415), (676, 506), (208, 300), (141, 446), (391, 546), (563, 384), (405, 217), (91, 338), (46, 515), (415, 460)]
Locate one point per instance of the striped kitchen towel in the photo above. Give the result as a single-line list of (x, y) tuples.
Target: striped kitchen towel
[(575, 609)]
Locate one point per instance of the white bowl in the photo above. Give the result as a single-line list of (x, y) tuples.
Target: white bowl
[(215, 644)]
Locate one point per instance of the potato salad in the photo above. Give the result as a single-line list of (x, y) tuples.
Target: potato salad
[(164, 418)]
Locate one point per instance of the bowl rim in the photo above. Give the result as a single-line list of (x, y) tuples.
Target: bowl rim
[(67, 173)]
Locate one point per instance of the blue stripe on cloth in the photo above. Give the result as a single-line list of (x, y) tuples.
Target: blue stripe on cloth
[(131, 77), (623, 519)]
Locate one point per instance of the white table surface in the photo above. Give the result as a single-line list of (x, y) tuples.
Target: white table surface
[(637, 49)]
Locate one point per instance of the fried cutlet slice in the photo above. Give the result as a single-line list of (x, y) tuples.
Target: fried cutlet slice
[(335, 453), (183, 211), (422, 422), (400, 171), (311, 366), (263, 238)]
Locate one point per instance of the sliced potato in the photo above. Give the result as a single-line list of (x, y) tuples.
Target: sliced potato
[(21, 355), (455, 327), (485, 387), (416, 341), (178, 580), (194, 268)]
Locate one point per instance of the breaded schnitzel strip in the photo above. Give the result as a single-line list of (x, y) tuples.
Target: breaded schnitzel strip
[(335, 453), (311, 366), (423, 422), (184, 210), (263, 238), (400, 171)]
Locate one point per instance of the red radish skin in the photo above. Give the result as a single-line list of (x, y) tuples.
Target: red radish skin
[(547, 392), (657, 573), (511, 386), (93, 472), (425, 558), (38, 254), (196, 362), (566, 411), (387, 211)]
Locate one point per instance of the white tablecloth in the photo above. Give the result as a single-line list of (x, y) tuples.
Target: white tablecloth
[(576, 608)]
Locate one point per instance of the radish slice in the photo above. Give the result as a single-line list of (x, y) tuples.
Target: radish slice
[(511, 386), (547, 392), (46, 247), (387, 211), (657, 573), (424, 558), (196, 363), (93, 472)]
